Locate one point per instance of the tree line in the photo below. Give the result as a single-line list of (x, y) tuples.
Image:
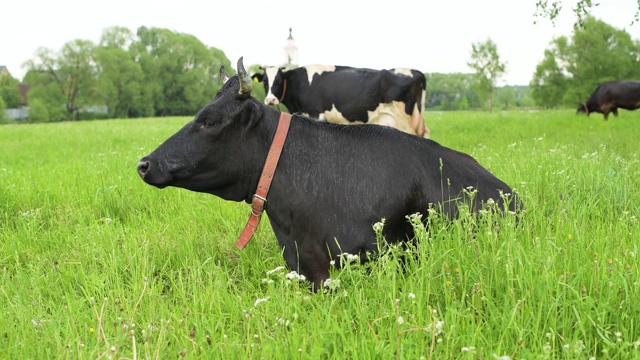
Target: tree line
[(154, 72), (158, 72)]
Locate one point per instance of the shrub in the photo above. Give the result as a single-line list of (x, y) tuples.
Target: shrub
[(38, 111)]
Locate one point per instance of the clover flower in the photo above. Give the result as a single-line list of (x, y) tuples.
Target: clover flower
[(295, 276), (260, 300), (331, 284)]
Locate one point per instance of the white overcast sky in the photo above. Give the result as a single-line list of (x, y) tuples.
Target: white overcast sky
[(431, 36)]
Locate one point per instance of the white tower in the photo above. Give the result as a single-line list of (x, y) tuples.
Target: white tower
[(290, 52)]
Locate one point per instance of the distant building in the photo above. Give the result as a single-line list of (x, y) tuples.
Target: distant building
[(4, 71), (291, 52)]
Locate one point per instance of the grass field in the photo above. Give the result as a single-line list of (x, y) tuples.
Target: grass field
[(96, 264)]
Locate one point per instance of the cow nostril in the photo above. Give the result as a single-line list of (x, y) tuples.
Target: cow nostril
[(143, 167)]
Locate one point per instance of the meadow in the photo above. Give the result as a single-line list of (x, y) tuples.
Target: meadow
[(95, 264)]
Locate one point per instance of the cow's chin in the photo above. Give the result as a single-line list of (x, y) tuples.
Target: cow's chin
[(159, 180), (179, 179), (201, 183), (201, 188), (159, 186), (192, 184)]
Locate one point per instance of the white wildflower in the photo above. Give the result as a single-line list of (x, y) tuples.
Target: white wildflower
[(349, 258), (275, 270), (415, 218), (295, 276), (377, 227), (37, 323), (260, 300), (332, 284)]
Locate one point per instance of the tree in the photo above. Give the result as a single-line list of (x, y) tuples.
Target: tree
[(549, 83), (179, 70), (154, 72), (38, 111), (72, 70), (47, 93), (506, 97), (120, 77), (3, 115), (450, 91), (550, 9), (488, 70), (10, 92)]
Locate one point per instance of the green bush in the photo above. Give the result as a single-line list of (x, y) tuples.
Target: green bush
[(38, 111), (3, 116)]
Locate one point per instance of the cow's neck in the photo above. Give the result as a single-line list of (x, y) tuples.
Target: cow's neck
[(260, 197)]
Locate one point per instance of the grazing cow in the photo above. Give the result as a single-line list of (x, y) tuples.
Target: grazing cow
[(347, 95), (332, 182), (611, 95)]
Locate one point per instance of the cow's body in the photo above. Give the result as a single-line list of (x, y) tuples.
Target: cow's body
[(347, 95), (611, 95), (332, 182)]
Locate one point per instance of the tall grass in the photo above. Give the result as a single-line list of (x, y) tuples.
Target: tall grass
[(96, 264)]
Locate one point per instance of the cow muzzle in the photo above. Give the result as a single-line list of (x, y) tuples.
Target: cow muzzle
[(152, 173), (143, 168), (271, 100)]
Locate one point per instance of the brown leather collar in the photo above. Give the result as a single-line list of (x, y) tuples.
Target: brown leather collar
[(260, 197), (284, 90)]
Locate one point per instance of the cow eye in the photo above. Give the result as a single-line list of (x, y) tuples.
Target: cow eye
[(209, 123)]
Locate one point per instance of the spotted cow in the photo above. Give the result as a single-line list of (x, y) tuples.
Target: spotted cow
[(348, 95)]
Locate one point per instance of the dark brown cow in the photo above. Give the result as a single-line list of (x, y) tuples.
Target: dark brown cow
[(610, 96)]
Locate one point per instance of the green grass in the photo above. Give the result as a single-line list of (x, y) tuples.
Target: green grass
[(96, 264)]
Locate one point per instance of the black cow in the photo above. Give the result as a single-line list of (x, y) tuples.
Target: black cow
[(332, 182), (347, 95), (611, 95)]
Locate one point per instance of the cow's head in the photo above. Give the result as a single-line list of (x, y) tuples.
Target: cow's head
[(583, 108), (206, 155), (275, 85)]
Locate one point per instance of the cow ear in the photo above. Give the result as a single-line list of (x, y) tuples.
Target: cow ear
[(223, 74), (245, 80), (257, 78)]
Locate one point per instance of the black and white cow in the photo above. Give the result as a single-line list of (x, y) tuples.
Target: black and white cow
[(347, 95), (611, 95), (332, 183)]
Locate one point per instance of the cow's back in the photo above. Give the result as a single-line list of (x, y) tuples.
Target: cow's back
[(369, 162), (348, 95)]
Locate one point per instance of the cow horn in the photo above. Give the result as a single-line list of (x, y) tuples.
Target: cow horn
[(223, 74), (245, 80)]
